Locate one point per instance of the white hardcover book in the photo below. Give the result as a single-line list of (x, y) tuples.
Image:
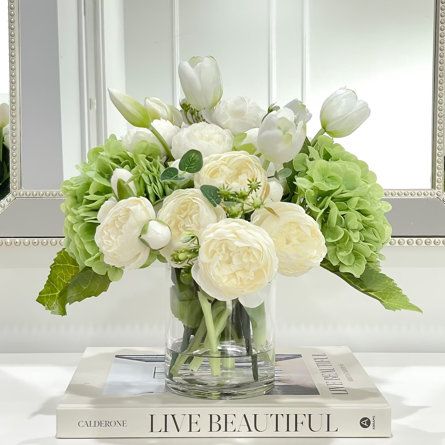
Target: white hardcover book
[(319, 392)]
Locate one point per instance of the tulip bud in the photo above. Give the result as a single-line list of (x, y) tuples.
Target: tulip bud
[(279, 138), (276, 190), (201, 82), (342, 113), (300, 110), (156, 234), (159, 110), (134, 112), (122, 184), (4, 115)]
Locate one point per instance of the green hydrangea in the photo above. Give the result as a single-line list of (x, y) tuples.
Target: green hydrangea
[(341, 193), (85, 194)]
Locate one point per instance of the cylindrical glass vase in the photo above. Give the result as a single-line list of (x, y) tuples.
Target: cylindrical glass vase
[(219, 349)]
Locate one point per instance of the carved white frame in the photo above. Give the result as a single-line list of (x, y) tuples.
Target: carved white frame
[(19, 195)]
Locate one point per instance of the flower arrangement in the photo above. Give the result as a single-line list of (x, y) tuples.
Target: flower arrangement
[(228, 194), (4, 150)]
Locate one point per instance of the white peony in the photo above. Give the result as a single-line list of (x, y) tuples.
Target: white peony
[(279, 138), (118, 235), (105, 209), (238, 115), (201, 82), (186, 211), (236, 260), (299, 243), (136, 135), (234, 170), (207, 138)]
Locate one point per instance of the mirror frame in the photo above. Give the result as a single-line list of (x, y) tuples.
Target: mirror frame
[(45, 226)]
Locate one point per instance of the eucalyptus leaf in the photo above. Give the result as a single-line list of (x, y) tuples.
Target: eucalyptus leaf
[(212, 194), (169, 174), (191, 162)]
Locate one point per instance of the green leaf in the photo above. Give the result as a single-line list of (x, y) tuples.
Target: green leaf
[(376, 284), (191, 162), (67, 284), (169, 174), (62, 271), (284, 173), (85, 284), (124, 191), (212, 194)]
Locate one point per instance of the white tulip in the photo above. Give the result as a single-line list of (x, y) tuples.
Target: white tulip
[(299, 243), (134, 112), (276, 190), (300, 111), (238, 115), (207, 138), (236, 259), (136, 135), (160, 110), (105, 209), (4, 115), (201, 82), (279, 138), (118, 234), (157, 235), (186, 211), (6, 136), (342, 113), (126, 177)]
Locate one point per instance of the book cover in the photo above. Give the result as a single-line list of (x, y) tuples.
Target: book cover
[(319, 392)]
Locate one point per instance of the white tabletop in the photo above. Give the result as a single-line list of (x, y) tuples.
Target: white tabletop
[(31, 386)]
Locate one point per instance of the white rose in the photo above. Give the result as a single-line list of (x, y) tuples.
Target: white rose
[(236, 260), (4, 115), (234, 170), (136, 135), (160, 110), (206, 138), (342, 113), (201, 82), (118, 234), (238, 115), (279, 138), (299, 243), (186, 211)]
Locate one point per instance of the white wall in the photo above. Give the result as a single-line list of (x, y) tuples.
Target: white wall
[(316, 309)]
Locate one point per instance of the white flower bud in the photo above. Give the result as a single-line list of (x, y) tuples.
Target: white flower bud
[(342, 113), (134, 112), (275, 190), (157, 235), (201, 82), (126, 177)]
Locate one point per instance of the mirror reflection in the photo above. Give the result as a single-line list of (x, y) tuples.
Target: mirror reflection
[(4, 100), (270, 51)]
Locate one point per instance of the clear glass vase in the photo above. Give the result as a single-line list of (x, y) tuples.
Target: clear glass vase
[(219, 349)]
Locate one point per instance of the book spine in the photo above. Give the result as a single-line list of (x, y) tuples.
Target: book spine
[(223, 422)]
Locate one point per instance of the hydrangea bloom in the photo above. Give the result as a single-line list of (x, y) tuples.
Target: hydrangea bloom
[(341, 193), (85, 194)]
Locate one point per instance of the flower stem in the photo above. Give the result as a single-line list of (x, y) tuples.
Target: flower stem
[(320, 133), (162, 142), (211, 333), (245, 327)]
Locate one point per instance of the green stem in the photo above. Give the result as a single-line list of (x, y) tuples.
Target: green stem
[(320, 133), (245, 327), (184, 345), (162, 142), (211, 333)]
